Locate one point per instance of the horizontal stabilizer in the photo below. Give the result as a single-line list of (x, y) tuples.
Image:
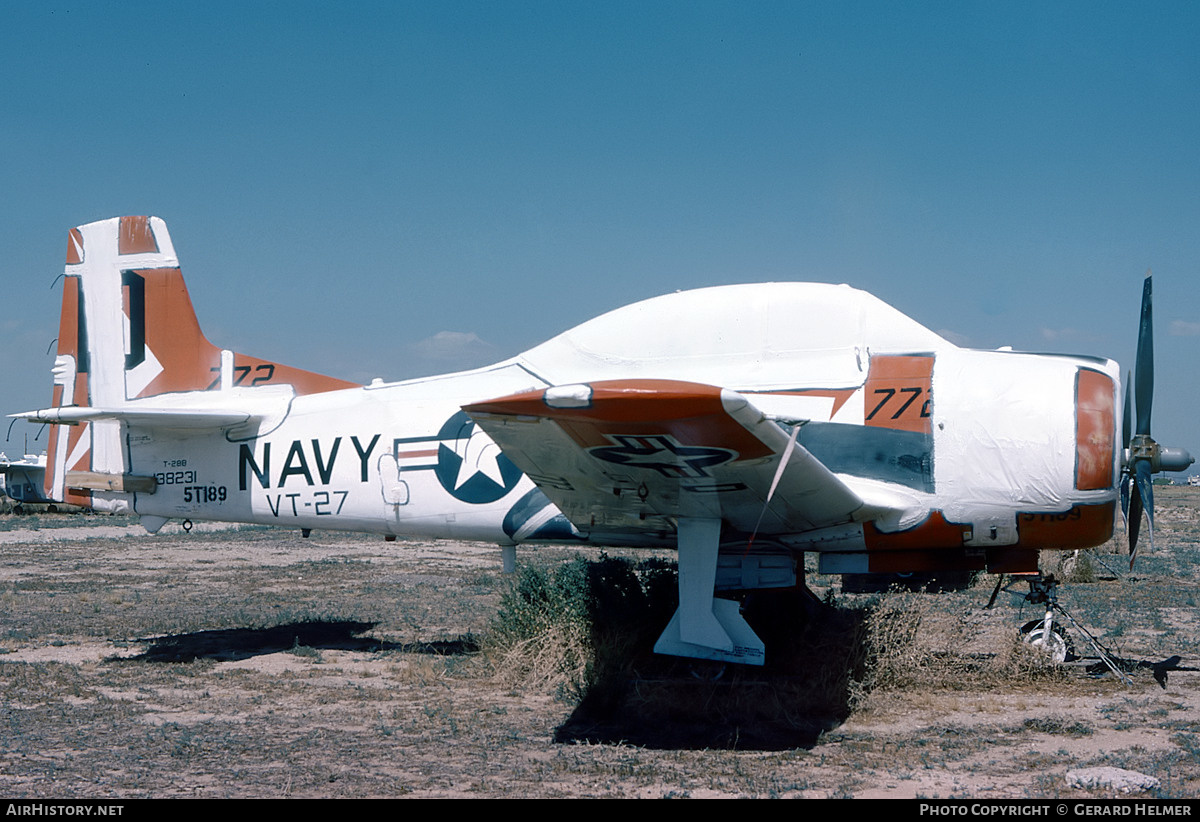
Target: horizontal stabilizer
[(205, 411), (173, 418)]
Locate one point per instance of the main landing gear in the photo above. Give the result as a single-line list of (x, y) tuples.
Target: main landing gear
[(706, 627)]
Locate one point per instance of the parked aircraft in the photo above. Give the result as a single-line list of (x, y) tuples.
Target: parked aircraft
[(743, 425), (22, 480)]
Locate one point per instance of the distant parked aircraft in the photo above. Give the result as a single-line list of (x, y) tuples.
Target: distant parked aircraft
[(22, 480)]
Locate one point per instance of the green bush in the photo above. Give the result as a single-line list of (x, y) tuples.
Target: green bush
[(575, 625)]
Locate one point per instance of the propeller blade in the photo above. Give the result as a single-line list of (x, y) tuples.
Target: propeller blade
[(1144, 369), (1133, 523), (1145, 486), (1143, 500)]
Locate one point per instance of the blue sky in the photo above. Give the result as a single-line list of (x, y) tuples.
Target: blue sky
[(395, 189)]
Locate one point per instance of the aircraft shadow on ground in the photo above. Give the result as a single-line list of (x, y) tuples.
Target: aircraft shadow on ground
[(667, 707), (806, 689), (698, 715), (242, 643), (1159, 670), (746, 709)]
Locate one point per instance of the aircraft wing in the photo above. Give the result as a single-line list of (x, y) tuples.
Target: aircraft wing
[(635, 455)]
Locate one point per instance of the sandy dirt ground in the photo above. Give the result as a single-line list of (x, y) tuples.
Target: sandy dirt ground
[(251, 662)]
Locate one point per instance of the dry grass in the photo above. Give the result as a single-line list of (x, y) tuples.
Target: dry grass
[(911, 645), (828, 661), (573, 628)]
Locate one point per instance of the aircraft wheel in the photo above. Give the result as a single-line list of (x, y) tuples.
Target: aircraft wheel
[(1058, 647)]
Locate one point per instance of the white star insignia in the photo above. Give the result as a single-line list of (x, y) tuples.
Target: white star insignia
[(479, 456)]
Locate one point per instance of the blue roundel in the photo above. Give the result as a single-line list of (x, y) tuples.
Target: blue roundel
[(470, 466)]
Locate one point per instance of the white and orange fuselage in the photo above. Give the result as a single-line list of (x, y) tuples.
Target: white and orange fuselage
[(977, 457)]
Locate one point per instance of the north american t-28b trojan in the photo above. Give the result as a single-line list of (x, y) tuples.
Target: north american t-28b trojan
[(743, 425)]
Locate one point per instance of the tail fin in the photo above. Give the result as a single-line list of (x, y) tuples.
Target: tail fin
[(128, 331)]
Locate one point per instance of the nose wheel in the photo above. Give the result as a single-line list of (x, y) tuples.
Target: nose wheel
[(1044, 634), (1055, 643), (1050, 636)]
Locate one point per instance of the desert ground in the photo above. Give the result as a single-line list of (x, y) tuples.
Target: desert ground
[(251, 662)]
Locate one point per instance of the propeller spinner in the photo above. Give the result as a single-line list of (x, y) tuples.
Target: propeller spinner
[(1143, 456)]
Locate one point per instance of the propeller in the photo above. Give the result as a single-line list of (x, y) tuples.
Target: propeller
[(1143, 457)]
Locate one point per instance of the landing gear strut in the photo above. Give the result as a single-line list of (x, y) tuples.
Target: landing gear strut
[(1050, 637), (1044, 634), (704, 626)]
